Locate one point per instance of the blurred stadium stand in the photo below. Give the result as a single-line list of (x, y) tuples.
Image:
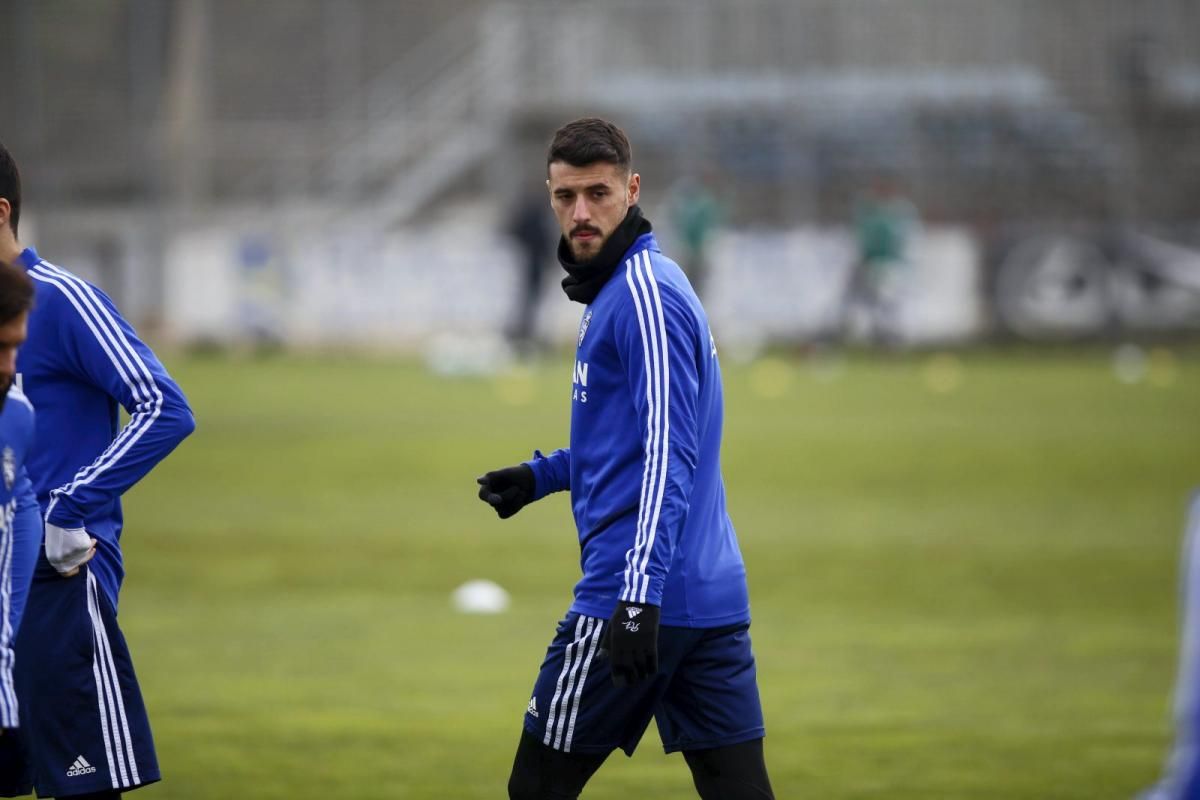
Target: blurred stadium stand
[(142, 124)]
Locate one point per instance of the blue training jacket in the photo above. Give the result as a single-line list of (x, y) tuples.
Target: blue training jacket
[(644, 465), (80, 362), (19, 540)]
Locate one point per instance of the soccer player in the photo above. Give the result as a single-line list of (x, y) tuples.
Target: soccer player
[(20, 536), (84, 721), (1181, 776), (659, 625)]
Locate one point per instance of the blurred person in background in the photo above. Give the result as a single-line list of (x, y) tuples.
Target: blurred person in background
[(532, 228), (20, 520), (660, 622), (885, 225), (1181, 779), (696, 214), (83, 720)]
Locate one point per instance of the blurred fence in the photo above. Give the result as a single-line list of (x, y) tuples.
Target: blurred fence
[(415, 286), (310, 284)]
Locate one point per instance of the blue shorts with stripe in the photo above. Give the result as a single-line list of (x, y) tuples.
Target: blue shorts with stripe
[(83, 722), (705, 694)]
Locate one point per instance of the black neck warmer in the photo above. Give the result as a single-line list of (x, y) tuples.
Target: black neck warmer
[(584, 281)]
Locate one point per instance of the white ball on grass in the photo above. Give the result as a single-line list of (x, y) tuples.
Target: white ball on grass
[(480, 597)]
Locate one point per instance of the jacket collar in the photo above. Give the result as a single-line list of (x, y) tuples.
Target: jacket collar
[(28, 258)]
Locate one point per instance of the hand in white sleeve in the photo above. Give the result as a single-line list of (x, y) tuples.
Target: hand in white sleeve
[(68, 549)]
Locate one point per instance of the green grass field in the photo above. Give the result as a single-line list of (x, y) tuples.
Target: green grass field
[(963, 577)]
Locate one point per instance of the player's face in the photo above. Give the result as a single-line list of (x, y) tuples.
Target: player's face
[(590, 202), (12, 336)]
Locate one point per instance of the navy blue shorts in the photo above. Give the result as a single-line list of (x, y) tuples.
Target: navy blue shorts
[(705, 694), (83, 722)]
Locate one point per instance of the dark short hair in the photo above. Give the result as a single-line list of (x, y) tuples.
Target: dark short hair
[(10, 185), (588, 140), (16, 292)]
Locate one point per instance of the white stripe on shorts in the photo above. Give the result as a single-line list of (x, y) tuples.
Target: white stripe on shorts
[(597, 635), (113, 723), (559, 686), (580, 644)]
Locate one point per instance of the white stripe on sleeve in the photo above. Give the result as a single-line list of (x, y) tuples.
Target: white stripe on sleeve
[(125, 360), (665, 421), (643, 503), (9, 718), (648, 303)]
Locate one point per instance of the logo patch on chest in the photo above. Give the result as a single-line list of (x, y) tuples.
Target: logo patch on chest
[(583, 326)]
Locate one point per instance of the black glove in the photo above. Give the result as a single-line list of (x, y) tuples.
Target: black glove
[(507, 490), (632, 643)]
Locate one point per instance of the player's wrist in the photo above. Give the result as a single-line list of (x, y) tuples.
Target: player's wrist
[(64, 512), (626, 609), (524, 476), (553, 471), (632, 642), (67, 549), (635, 620), (66, 524)]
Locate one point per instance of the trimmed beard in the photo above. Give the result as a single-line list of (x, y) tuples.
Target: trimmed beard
[(585, 262)]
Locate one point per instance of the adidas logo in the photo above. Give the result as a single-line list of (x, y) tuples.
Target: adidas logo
[(633, 611), (80, 767), (532, 710)]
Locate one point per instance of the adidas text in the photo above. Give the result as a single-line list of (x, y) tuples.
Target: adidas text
[(80, 767)]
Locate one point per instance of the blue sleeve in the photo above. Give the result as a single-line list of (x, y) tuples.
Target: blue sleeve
[(658, 350), (27, 545), (551, 473), (101, 349)]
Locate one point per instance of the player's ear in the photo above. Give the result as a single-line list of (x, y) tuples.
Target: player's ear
[(634, 190), (5, 211)]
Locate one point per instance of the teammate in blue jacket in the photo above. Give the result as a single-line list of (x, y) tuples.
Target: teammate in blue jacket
[(659, 625), (20, 533), (86, 726), (1181, 775)]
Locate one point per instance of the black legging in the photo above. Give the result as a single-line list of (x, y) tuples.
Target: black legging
[(735, 772)]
